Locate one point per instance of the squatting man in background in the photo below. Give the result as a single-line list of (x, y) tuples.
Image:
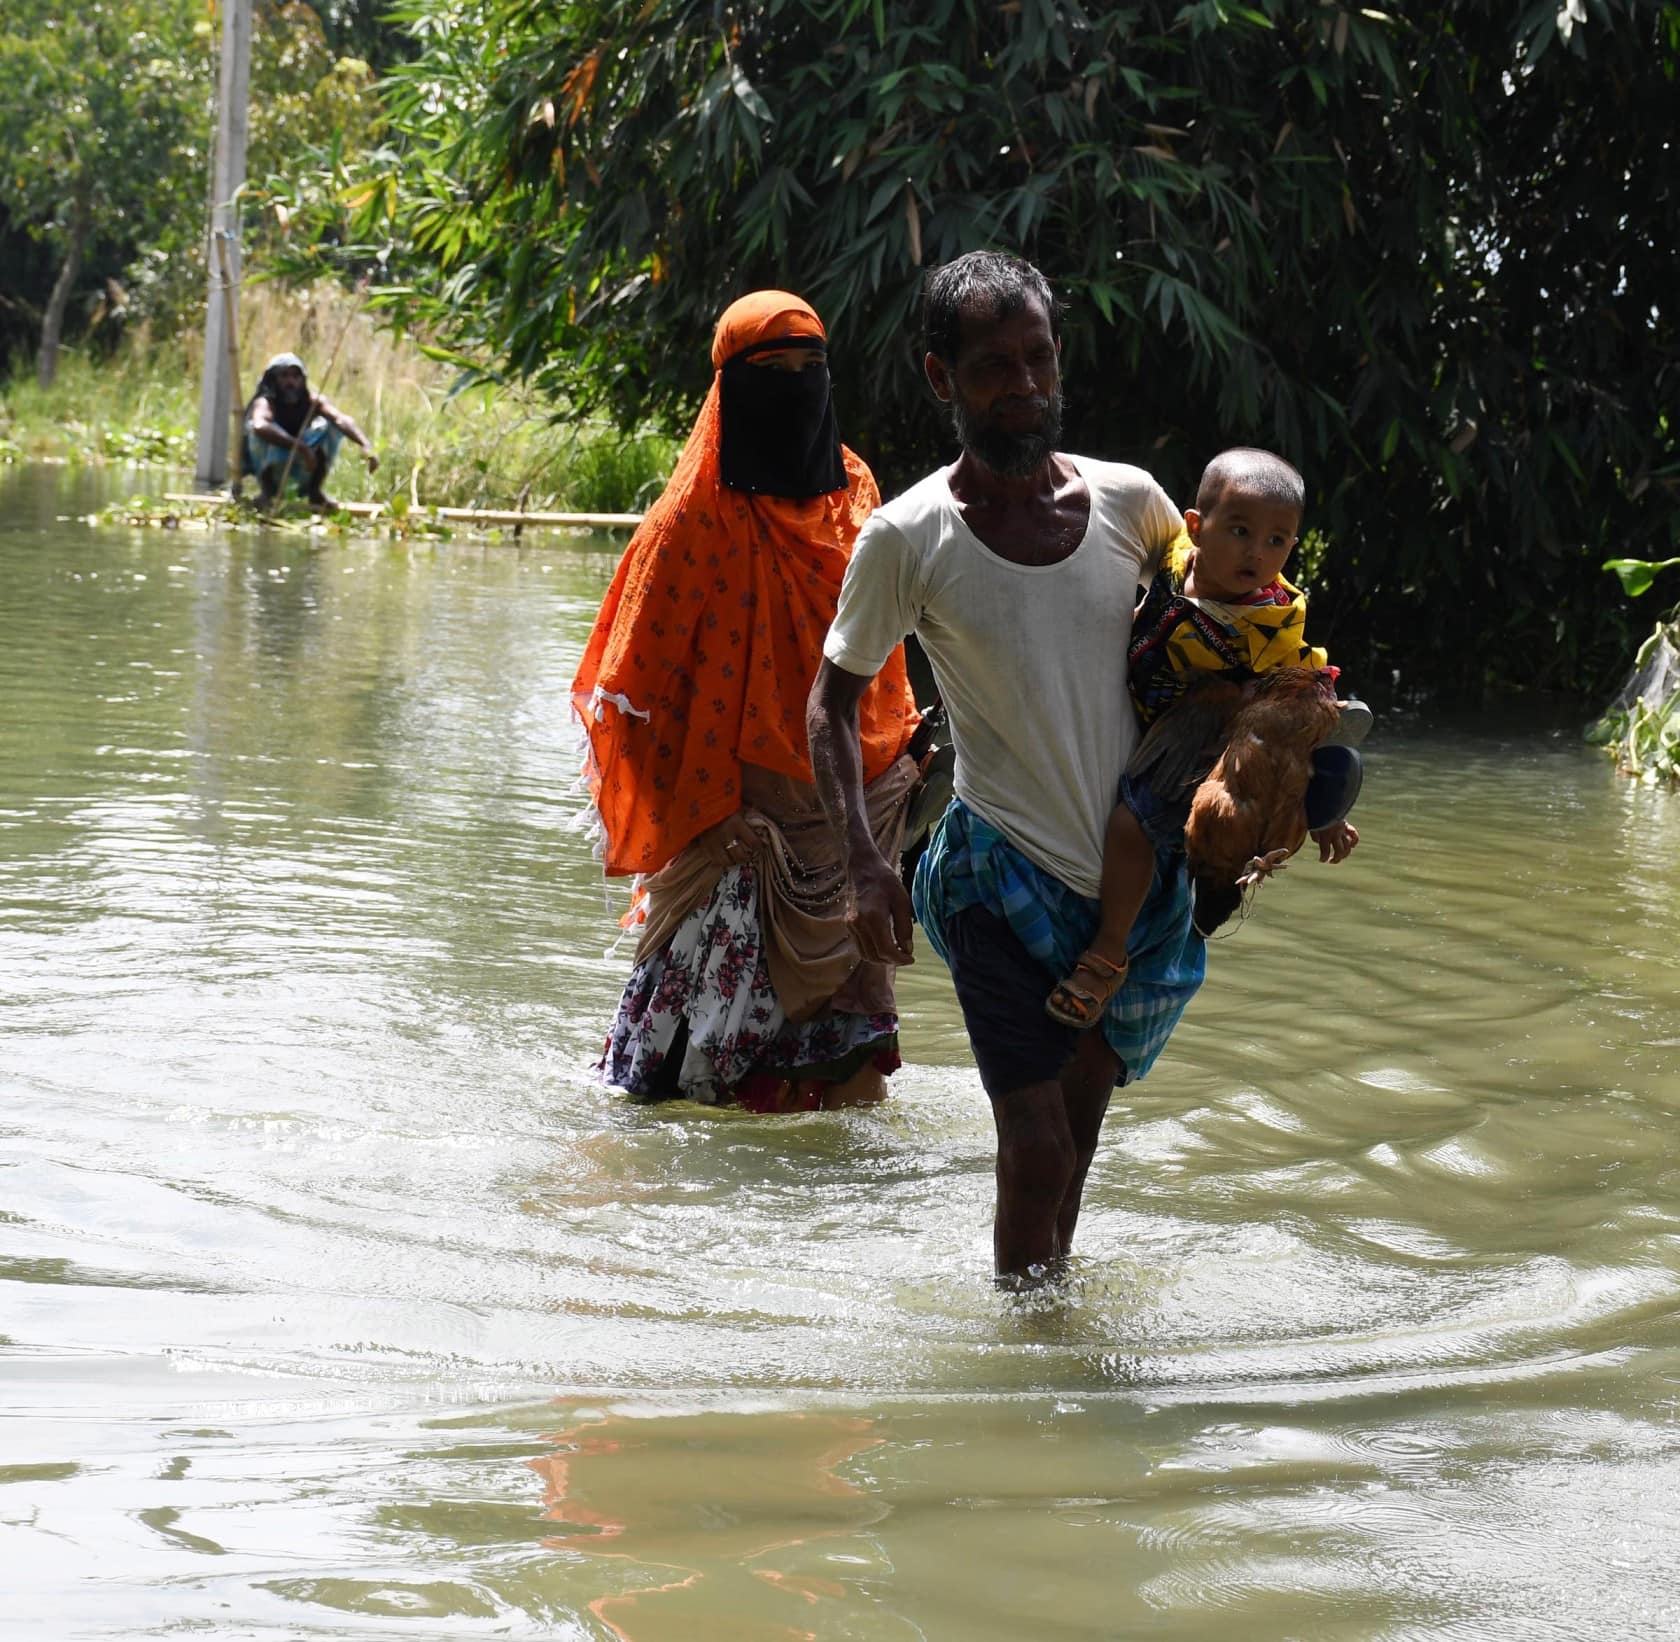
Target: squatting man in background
[(286, 424)]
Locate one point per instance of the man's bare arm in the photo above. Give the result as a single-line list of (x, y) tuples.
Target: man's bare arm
[(880, 915), (270, 432), (267, 429), (831, 722), (348, 426)]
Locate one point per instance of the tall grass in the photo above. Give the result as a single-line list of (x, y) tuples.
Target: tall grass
[(487, 447)]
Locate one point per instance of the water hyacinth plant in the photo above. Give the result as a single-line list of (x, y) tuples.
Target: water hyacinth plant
[(1641, 727)]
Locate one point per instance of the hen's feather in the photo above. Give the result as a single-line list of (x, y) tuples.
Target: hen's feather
[(1253, 801), (1180, 747)]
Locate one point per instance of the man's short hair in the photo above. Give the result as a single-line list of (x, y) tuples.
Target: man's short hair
[(985, 284), (1258, 473)]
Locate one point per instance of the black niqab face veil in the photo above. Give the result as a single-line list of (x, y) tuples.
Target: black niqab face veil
[(778, 436)]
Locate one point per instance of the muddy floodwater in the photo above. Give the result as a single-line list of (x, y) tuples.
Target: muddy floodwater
[(336, 1300)]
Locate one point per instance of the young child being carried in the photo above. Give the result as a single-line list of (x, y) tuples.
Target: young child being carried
[(1218, 604)]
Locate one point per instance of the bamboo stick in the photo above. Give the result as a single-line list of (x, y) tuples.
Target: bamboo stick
[(236, 405), (490, 516)]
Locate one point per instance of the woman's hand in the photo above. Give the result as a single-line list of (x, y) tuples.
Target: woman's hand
[(731, 843), (880, 916)]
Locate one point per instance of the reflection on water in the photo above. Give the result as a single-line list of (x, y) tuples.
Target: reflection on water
[(726, 1508), (335, 1300)]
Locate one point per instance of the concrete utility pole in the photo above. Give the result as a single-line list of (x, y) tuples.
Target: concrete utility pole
[(215, 406)]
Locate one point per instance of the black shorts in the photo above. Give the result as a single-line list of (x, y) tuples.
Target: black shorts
[(1002, 989)]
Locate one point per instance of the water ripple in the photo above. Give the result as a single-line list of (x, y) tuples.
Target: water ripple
[(336, 1297)]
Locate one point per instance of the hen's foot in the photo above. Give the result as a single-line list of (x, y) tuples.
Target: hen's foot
[(1263, 866)]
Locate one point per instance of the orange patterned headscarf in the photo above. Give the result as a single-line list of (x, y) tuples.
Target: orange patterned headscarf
[(711, 633)]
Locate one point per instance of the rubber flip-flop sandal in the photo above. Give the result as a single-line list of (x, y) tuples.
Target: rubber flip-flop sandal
[(1353, 726), (1338, 774)]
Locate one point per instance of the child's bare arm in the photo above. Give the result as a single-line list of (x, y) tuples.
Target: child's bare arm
[(1336, 842)]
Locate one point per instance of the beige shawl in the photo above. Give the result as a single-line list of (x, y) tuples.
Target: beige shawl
[(802, 891)]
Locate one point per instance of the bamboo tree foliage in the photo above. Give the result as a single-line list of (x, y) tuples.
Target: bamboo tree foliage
[(102, 129), (105, 130), (1424, 250)]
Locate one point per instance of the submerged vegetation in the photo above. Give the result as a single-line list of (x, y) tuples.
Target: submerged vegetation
[(397, 520)]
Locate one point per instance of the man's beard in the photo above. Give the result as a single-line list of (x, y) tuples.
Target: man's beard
[(1008, 454)]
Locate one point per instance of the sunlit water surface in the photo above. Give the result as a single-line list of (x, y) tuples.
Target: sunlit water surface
[(337, 1300)]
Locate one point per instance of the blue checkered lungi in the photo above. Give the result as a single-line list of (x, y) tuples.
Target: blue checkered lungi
[(322, 437), (968, 862)]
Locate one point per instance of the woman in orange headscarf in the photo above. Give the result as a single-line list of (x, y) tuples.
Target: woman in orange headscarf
[(746, 986)]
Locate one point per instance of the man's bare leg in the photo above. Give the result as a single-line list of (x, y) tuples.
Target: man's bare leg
[(1036, 1161), (1087, 1084), (1047, 1137), (317, 498)]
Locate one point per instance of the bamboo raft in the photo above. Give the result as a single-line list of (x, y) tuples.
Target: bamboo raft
[(457, 515)]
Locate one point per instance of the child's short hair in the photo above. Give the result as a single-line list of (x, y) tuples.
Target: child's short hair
[(1257, 473)]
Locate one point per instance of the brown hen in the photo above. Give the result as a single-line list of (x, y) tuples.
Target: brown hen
[(1249, 813)]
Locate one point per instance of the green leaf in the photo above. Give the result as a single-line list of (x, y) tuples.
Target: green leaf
[(748, 95), (1637, 575), (770, 144), (885, 192)]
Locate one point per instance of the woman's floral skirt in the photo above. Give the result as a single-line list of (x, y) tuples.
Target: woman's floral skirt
[(699, 1020)]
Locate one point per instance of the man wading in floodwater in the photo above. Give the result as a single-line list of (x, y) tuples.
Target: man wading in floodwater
[(1018, 569)]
